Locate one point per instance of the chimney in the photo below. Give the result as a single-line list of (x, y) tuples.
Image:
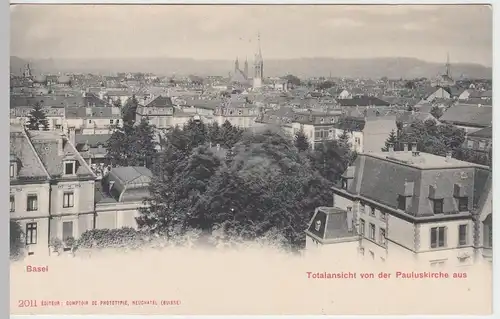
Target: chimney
[(60, 145), (71, 134), (350, 218), (390, 148), (405, 147), (448, 156)]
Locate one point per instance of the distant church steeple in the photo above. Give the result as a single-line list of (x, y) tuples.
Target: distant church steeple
[(448, 68), (245, 68), (259, 66), (236, 65)]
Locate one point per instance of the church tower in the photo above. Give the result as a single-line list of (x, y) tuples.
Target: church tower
[(258, 66), (236, 66), (27, 71), (245, 70)]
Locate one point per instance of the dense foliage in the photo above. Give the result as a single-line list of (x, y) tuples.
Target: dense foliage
[(254, 185), (132, 145), (37, 119), (16, 240), (437, 139)]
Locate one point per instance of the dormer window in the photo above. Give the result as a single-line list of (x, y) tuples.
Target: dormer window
[(69, 168), (317, 225), (12, 171)]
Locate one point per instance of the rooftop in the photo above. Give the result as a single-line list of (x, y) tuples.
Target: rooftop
[(422, 160)]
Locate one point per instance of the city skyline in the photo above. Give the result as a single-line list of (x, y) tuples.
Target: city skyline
[(198, 32)]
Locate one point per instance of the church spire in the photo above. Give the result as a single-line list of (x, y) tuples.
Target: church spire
[(448, 72), (236, 65), (259, 48)]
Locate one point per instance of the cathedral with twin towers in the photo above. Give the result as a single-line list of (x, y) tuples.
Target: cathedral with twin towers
[(243, 78)]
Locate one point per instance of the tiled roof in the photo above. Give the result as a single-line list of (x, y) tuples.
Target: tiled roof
[(332, 222), (160, 101), (92, 140), (58, 101), (130, 183), (484, 133), (363, 101), (478, 101), (464, 114), (94, 112), (375, 169), (47, 144), (21, 149)]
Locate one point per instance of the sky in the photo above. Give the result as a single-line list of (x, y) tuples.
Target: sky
[(427, 32)]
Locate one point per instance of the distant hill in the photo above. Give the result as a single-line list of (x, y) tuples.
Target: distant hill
[(302, 67)]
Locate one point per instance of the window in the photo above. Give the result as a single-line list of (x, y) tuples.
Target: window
[(470, 144), (438, 237), (67, 230), (482, 145), (117, 122), (357, 140), (438, 206), (344, 183), (372, 254), (90, 121), (382, 239), (68, 199), (402, 202), (31, 233), (383, 215), (462, 235), (12, 203), (362, 227), (371, 210), (12, 170), (372, 231), (32, 203), (322, 120), (240, 112), (110, 121), (69, 168), (463, 204)]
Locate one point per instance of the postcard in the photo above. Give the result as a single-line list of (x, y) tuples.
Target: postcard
[(251, 159)]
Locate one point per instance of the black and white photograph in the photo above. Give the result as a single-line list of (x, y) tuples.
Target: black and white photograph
[(263, 159)]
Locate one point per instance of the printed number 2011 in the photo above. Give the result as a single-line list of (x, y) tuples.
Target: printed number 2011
[(27, 303)]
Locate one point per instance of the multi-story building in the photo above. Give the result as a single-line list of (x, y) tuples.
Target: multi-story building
[(52, 188), (412, 206), (119, 197), (93, 120), (158, 112)]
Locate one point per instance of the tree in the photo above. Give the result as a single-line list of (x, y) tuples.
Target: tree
[(268, 187), (230, 134), (325, 85), (437, 112), (301, 142), (37, 119), (177, 185), (292, 79), (132, 145), (129, 110), (142, 144), (391, 140), (117, 103), (16, 240)]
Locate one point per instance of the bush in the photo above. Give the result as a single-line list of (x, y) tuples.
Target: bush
[(56, 244), (16, 240), (110, 238)]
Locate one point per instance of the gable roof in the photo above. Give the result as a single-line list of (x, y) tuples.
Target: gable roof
[(484, 133), (468, 115), (363, 101), (160, 101), (47, 145), (30, 165)]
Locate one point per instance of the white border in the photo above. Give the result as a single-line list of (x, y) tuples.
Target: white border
[(4, 94)]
